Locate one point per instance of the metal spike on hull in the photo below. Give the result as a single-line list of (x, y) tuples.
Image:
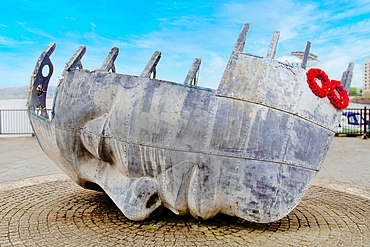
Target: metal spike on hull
[(191, 77), (273, 45), (150, 70), (108, 64), (75, 61)]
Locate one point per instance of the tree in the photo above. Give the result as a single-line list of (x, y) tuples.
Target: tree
[(352, 91)]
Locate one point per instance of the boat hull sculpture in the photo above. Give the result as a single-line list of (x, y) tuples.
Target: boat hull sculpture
[(249, 148)]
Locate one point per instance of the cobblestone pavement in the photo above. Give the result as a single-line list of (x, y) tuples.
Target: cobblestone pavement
[(60, 213)]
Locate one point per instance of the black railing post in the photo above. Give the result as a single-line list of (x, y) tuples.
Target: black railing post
[(366, 121), (362, 119)]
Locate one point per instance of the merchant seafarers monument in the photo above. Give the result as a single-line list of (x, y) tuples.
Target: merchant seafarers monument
[(249, 148)]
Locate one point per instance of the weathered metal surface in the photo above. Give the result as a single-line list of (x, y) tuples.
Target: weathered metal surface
[(248, 149)]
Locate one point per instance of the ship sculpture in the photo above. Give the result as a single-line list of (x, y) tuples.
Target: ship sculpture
[(249, 148)]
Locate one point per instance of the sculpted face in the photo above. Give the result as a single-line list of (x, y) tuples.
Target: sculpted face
[(248, 149)]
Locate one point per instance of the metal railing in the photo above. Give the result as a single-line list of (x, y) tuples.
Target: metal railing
[(354, 121), (14, 122)]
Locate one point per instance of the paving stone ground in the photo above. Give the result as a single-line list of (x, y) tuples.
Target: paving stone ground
[(51, 210), (60, 213)]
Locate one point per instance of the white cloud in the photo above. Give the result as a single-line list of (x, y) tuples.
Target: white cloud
[(347, 10), (359, 30), (336, 58), (6, 41), (70, 18), (40, 32), (93, 25)]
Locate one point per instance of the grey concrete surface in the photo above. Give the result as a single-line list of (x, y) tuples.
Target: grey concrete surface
[(22, 157), (348, 160)]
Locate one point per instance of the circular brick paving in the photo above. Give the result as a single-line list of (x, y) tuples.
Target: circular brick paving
[(61, 213)]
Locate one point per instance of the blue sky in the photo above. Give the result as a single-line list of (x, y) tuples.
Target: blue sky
[(182, 30)]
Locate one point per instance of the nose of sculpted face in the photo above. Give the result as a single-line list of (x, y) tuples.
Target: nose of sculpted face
[(141, 199)]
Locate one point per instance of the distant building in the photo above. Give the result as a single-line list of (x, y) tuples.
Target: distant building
[(366, 88), (295, 58)]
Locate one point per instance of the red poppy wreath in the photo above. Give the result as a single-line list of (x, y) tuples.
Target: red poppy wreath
[(340, 100), (333, 89)]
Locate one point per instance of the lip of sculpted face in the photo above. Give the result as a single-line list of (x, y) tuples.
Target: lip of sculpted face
[(249, 148)]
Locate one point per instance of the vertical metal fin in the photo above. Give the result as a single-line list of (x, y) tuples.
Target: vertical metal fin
[(40, 82), (45, 55), (109, 61), (305, 56), (240, 42), (75, 61), (191, 77), (238, 48), (273, 45), (150, 68), (347, 76)]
